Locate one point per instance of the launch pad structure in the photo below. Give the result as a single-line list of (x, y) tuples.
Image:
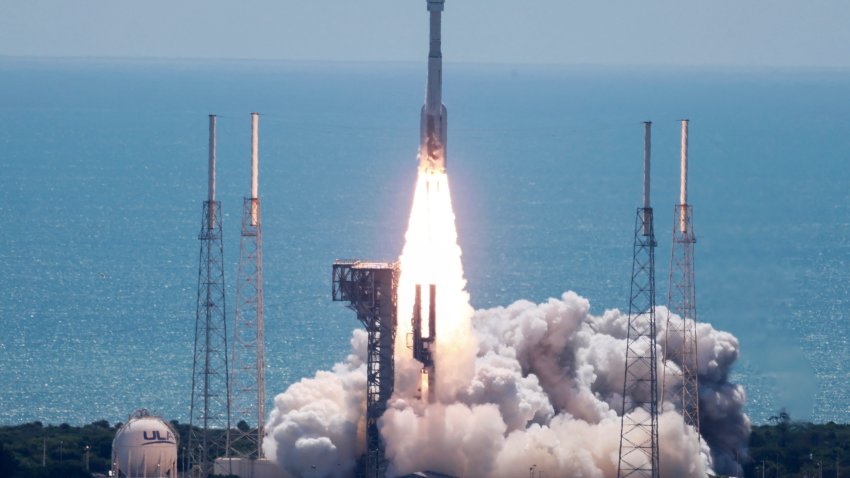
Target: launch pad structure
[(209, 415), (371, 290), (638, 457), (248, 377), (681, 338)]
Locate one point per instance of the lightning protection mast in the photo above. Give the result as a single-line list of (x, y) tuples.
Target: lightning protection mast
[(639, 425), (209, 416), (248, 380), (681, 366)]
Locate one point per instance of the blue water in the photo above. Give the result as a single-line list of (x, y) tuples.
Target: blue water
[(103, 177)]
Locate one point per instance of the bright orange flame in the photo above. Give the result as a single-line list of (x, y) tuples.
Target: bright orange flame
[(423, 385), (432, 255)]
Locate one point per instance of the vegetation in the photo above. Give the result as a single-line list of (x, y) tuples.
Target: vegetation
[(794, 449), (784, 448), (34, 450)]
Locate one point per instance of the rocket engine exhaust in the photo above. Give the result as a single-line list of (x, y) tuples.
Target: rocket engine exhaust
[(522, 387), (432, 148)]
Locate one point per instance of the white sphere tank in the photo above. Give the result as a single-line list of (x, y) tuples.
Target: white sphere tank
[(145, 447)]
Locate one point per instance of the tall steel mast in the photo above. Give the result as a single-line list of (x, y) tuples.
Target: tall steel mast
[(639, 415), (248, 381), (209, 417), (681, 338)]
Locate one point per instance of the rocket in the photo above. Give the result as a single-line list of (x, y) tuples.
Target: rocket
[(432, 146)]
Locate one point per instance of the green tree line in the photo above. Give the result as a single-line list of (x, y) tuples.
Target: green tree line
[(34, 450), (785, 448), (781, 448)]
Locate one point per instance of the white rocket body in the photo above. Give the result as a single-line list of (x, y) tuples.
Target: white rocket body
[(433, 127)]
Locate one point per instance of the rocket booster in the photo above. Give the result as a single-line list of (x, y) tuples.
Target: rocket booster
[(432, 146)]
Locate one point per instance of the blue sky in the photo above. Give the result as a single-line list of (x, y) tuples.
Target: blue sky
[(606, 32)]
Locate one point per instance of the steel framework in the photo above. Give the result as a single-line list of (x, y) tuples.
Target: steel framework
[(248, 379), (681, 337), (371, 289), (639, 431), (210, 411)]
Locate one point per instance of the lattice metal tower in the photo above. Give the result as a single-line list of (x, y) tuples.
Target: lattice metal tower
[(209, 416), (639, 426), (371, 289), (248, 379), (681, 338)]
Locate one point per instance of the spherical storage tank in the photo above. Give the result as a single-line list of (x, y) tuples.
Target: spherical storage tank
[(145, 447)]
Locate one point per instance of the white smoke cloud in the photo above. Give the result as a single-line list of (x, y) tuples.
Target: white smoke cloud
[(545, 391), (317, 426)]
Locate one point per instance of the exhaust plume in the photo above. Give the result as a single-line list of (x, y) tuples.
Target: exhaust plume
[(522, 386), (545, 390)]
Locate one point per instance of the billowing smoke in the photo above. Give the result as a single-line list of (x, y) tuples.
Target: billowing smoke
[(528, 387), (546, 391), (317, 425)]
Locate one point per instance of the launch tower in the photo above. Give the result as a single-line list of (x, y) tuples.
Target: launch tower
[(639, 426), (248, 379), (209, 416), (371, 290), (681, 338)]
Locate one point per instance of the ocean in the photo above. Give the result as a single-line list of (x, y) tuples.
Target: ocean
[(104, 174)]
